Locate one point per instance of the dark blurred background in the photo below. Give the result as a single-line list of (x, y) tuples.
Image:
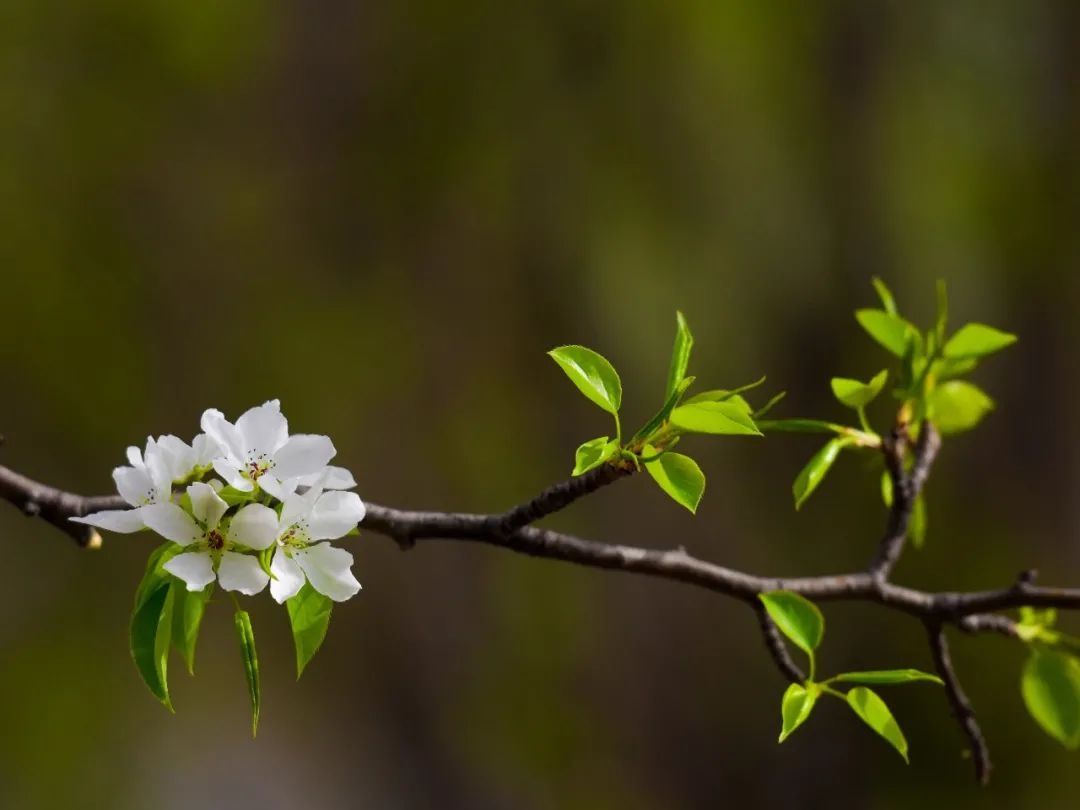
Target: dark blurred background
[(384, 214)]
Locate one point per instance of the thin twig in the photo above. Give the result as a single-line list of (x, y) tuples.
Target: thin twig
[(961, 706)]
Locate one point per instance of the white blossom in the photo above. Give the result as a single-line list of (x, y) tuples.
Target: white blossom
[(306, 519), (259, 450), (211, 544), (150, 477)]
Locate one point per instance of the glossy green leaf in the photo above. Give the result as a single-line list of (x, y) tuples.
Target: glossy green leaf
[(150, 635), (593, 375), (947, 369), (857, 394), (678, 475), (150, 629), (680, 354), (593, 453), (729, 417), (886, 677), (309, 615), (888, 303), (889, 330), (917, 526), (1051, 688), (795, 708), (873, 711), (246, 636), (956, 406), (797, 618), (977, 340), (726, 394), (815, 470), (187, 614), (233, 496)]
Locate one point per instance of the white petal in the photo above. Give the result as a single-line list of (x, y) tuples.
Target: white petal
[(263, 428), (241, 572), (328, 570), (159, 467), (230, 471), (206, 448), (255, 526), (134, 456), (303, 454), (178, 456), (206, 504), (171, 522), (330, 477), (273, 486), (296, 507), (288, 577), (335, 514), (134, 485), (193, 567), (223, 431), (122, 521)]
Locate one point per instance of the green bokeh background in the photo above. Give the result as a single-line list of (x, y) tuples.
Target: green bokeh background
[(384, 214)]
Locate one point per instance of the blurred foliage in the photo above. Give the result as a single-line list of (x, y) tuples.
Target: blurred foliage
[(384, 214)]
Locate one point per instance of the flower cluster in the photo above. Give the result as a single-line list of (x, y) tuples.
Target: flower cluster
[(264, 523)]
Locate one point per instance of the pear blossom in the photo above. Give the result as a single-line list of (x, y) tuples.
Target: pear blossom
[(306, 519), (211, 544), (149, 478), (259, 451)]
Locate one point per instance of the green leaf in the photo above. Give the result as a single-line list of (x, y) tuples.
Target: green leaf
[(246, 635), (977, 340), (309, 615), (886, 489), (593, 453), (1051, 689), (887, 300), (815, 470), (917, 528), (873, 711), (1034, 624), (150, 634), (890, 330), (768, 406), (956, 406), (947, 369), (795, 708), (150, 629), (678, 475), (886, 677), (800, 426), (680, 354), (797, 617), (942, 319), (725, 394), (592, 374), (188, 610), (729, 417), (856, 394)]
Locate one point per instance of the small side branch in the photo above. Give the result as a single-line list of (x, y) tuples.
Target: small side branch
[(56, 506), (776, 647), (907, 485), (557, 497), (958, 700)]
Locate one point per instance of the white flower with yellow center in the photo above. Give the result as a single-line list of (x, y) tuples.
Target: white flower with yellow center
[(306, 520), (258, 450), (213, 547)]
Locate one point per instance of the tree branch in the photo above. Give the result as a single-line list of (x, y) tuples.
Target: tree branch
[(906, 489), (972, 612), (961, 706)]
